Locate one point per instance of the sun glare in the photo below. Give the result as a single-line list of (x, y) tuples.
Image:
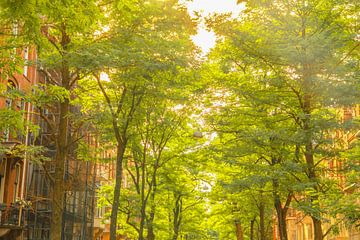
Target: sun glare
[(206, 39), (207, 7), (104, 77)]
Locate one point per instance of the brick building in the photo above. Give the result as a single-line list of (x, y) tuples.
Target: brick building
[(26, 185), (300, 226), (13, 169)]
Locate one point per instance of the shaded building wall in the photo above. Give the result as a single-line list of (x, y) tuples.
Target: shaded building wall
[(21, 180), (13, 168)]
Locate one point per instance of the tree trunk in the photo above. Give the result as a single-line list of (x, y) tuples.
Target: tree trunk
[(281, 218), (118, 179), (56, 227), (318, 233), (310, 165), (150, 221), (239, 230), (280, 212), (151, 233), (262, 220), (177, 210), (142, 222), (252, 223), (143, 198), (309, 148)]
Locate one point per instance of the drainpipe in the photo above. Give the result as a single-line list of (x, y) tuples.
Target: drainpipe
[(26, 160), (25, 165)]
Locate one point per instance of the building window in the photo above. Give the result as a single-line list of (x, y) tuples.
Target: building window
[(99, 211), (11, 86), (15, 29), (26, 61), (9, 104), (1, 189)]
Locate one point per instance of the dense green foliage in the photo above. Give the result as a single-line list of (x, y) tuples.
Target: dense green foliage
[(267, 104)]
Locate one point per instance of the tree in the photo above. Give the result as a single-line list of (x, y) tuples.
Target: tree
[(150, 152), (253, 136), (296, 48), (59, 30), (181, 200), (138, 54), (242, 193)]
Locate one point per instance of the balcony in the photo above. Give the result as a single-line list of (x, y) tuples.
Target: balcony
[(11, 220), (12, 216)]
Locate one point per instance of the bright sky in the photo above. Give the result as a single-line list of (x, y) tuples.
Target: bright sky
[(204, 39)]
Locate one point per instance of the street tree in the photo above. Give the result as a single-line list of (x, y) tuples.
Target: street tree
[(302, 53)]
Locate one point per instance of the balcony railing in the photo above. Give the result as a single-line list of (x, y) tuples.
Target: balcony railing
[(11, 216)]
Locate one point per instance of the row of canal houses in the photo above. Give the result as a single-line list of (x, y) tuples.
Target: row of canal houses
[(26, 184)]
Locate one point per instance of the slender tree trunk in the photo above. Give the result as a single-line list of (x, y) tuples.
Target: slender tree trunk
[(56, 227), (142, 222), (118, 179), (150, 221), (309, 148), (318, 233), (280, 212), (239, 230), (310, 166), (252, 223), (58, 194), (281, 218), (150, 226), (177, 216), (170, 229), (143, 198), (262, 220)]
